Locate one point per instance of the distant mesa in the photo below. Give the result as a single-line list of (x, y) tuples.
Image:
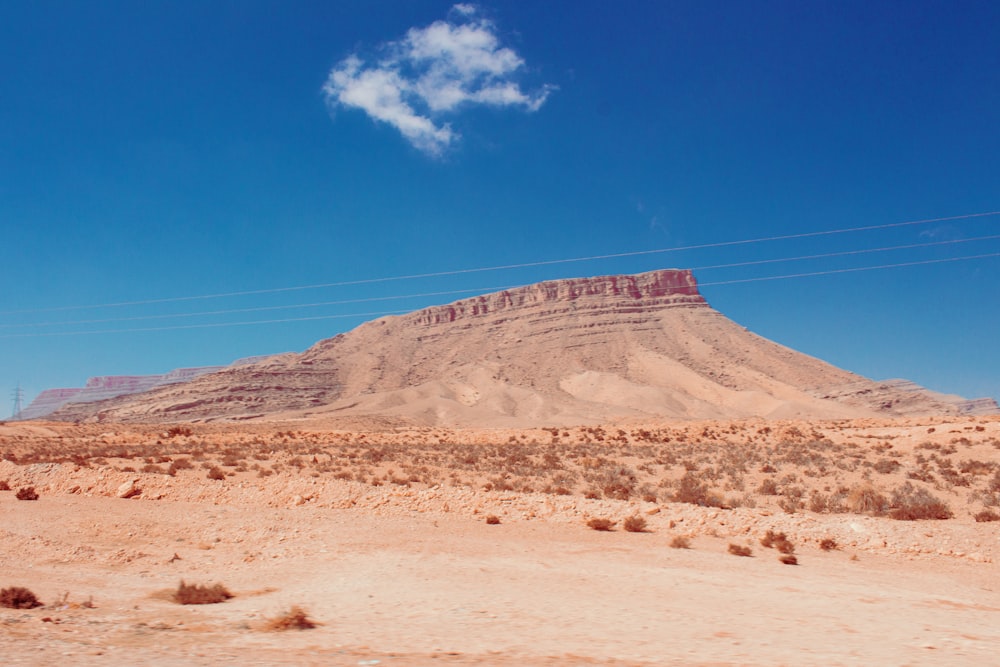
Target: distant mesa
[(111, 386), (562, 352)]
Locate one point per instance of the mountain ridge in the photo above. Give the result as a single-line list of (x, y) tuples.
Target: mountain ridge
[(570, 351)]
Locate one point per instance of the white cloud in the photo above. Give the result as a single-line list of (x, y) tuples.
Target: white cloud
[(432, 71)]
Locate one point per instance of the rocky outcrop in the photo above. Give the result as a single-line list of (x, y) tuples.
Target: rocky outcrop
[(105, 387), (644, 291)]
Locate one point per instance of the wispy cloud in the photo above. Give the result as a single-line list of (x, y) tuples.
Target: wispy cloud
[(431, 72)]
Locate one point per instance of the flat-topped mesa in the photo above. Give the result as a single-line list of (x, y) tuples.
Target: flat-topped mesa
[(655, 289), (49, 401)]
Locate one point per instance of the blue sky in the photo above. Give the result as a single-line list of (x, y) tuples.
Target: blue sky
[(150, 151)]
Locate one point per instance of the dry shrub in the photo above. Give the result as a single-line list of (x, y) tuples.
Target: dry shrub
[(215, 472), (634, 524), (197, 594), (768, 487), (18, 597), (4, 485), (828, 544), (27, 493), (493, 520), (910, 503), (692, 491), (777, 541), (740, 550), (866, 500), (789, 559), (601, 524), (680, 542), (294, 619), (179, 464), (986, 516)]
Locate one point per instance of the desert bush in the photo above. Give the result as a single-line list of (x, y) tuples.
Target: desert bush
[(680, 542), (791, 504), (493, 520), (18, 597), (197, 594), (27, 493), (294, 619), (866, 500), (886, 466), (740, 550), (768, 487), (789, 559), (179, 464), (777, 541), (635, 524), (215, 472), (175, 431), (694, 492), (828, 544), (986, 516), (601, 524), (4, 485), (910, 503)]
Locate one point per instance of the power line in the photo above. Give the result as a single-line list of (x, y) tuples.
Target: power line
[(505, 267), (230, 311), (482, 290), (851, 270), (398, 312)]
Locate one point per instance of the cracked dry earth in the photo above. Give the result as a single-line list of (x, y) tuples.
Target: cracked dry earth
[(410, 576)]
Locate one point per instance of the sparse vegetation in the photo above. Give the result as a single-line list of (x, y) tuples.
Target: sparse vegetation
[(215, 472), (27, 493), (197, 594), (740, 550), (910, 503), (294, 619), (600, 524), (986, 516), (866, 500), (828, 544), (777, 541), (18, 597), (493, 520), (4, 485), (635, 524), (788, 559), (680, 542)]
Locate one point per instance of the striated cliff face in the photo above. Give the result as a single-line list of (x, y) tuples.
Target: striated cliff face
[(644, 291), (555, 353), (48, 402)]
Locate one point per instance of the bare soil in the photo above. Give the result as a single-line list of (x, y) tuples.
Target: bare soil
[(380, 536)]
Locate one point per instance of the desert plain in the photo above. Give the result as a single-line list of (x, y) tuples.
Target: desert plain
[(424, 545)]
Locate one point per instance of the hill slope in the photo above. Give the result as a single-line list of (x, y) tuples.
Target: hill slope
[(554, 353)]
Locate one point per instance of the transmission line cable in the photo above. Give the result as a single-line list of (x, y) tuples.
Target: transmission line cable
[(504, 267), (483, 290), (398, 312)]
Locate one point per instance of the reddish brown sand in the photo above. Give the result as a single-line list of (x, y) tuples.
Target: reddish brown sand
[(402, 574)]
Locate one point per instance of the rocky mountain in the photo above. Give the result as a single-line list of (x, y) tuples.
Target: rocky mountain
[(106, 387), (555, 353)]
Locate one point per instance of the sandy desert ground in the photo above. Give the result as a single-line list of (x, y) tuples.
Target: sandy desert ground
[(381, 537)]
